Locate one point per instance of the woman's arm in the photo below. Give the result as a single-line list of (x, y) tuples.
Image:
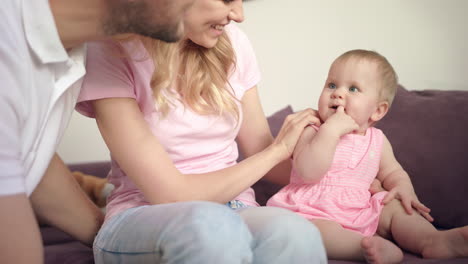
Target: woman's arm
[(255, 135), (145, 161)]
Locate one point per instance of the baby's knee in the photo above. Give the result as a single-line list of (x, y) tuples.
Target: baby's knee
[(393, 207)]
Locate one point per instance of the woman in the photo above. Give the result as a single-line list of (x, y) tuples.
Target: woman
[(170, 115)]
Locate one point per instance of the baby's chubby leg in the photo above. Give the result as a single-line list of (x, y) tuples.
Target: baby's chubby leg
[(343, 244), (416, 234), (448, 244)]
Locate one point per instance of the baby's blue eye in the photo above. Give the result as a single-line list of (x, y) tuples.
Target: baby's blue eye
[(331, 86), (353, 89)]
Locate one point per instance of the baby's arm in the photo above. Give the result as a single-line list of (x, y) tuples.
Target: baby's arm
[(314, 151), (395, 179)]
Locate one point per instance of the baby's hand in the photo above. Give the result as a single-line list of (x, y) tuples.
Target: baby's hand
[(405, 193), (342, 122)]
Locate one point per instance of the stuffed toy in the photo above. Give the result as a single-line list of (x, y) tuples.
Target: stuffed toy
[(96, 188)]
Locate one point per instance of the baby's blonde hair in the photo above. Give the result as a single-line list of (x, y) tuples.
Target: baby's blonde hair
[(388, 76), (200, 76)]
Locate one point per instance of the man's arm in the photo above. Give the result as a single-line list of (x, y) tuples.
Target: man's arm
[(20, 238), (59, 201)]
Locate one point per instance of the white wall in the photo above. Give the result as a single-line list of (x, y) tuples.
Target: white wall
[(296, 40)]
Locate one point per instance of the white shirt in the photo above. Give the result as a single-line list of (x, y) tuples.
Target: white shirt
[(39, 85)]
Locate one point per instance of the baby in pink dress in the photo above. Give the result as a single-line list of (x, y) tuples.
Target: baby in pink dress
[(340, 195), (335, 165)]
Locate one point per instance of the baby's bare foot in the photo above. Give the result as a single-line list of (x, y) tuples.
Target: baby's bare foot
[(378, 250), (448, 244)]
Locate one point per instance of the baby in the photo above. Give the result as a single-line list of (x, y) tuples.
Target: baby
[(334, 166)]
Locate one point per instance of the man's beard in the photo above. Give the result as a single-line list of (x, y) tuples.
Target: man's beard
[(135, 17)]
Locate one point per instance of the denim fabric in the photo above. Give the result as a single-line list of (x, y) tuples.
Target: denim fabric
[(236, 204), (281, 236), (204, 232)]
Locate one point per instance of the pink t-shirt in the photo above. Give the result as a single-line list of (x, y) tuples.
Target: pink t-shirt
[(196, 143)]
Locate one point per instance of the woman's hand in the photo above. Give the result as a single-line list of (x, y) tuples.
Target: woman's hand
[(292, 129)]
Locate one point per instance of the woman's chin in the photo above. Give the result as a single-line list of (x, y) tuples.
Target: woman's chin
[(206, 42)]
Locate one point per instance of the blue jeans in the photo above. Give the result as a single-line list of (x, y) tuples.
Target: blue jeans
[(204, 232)]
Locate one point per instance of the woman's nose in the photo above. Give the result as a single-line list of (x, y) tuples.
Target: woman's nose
[(237, 12)]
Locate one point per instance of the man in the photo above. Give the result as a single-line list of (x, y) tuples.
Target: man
[(42, 60)]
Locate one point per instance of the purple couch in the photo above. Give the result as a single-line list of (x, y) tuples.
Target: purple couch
[(428, 132)]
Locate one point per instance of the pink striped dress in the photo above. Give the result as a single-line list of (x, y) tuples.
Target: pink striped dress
[(343, 193)]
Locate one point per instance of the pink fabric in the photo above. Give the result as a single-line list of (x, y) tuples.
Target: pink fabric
[(343, 193), (196, 143)]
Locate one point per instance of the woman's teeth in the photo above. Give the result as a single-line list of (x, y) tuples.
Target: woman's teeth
[(218, 27)]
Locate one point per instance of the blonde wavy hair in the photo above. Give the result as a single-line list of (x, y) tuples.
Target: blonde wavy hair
[(195, 75)]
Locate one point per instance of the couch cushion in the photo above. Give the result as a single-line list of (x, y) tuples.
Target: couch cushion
[(428, 132), (68, 253), (52, 236)]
